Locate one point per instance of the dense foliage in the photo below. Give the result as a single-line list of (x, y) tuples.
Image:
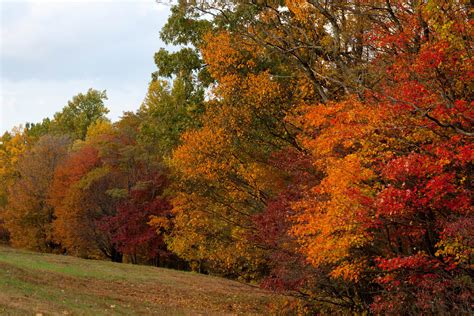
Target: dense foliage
[(320, 148)]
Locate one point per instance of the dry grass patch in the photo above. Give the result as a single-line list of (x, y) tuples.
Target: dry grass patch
[(60, 285)]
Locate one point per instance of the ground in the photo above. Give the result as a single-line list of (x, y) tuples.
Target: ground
[(44, 284)]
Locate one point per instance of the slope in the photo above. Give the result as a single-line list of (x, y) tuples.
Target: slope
[(36, 283)]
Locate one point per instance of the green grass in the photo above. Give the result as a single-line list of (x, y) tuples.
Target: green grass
[(32, 283)]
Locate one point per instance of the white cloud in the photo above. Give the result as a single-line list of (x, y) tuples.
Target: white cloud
[(52, 50), (49, 28), (32, 100)]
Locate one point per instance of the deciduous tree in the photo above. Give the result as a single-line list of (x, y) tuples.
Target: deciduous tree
[(29, 215)]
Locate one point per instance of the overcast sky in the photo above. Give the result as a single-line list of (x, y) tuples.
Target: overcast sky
[(50, 50)]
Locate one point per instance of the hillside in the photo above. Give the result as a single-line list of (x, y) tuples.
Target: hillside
[(34, 283)]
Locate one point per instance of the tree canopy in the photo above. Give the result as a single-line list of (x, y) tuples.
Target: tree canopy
[(318, 148)]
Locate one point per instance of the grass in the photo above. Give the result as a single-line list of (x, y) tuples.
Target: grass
[(34, 283)]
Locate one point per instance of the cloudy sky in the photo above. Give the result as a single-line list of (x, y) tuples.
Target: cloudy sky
[(50, 50)]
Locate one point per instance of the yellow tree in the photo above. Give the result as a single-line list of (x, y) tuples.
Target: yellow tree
[(224, 177), (28, 215), (12, 145)]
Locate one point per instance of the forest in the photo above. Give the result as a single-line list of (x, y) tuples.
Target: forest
[(318, 148)]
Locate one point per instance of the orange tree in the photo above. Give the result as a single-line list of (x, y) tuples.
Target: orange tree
[(28, 214), (379, 94), (392, 211), (224, 174)]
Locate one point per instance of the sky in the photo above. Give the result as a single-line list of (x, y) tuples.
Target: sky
[(51, 50)]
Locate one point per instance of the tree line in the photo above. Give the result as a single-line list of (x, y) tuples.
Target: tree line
[(319, 148)]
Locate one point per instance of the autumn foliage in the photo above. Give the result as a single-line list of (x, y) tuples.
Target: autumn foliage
[(320, 148)]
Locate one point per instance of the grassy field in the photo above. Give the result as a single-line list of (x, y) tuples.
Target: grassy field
[(34, 283)]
